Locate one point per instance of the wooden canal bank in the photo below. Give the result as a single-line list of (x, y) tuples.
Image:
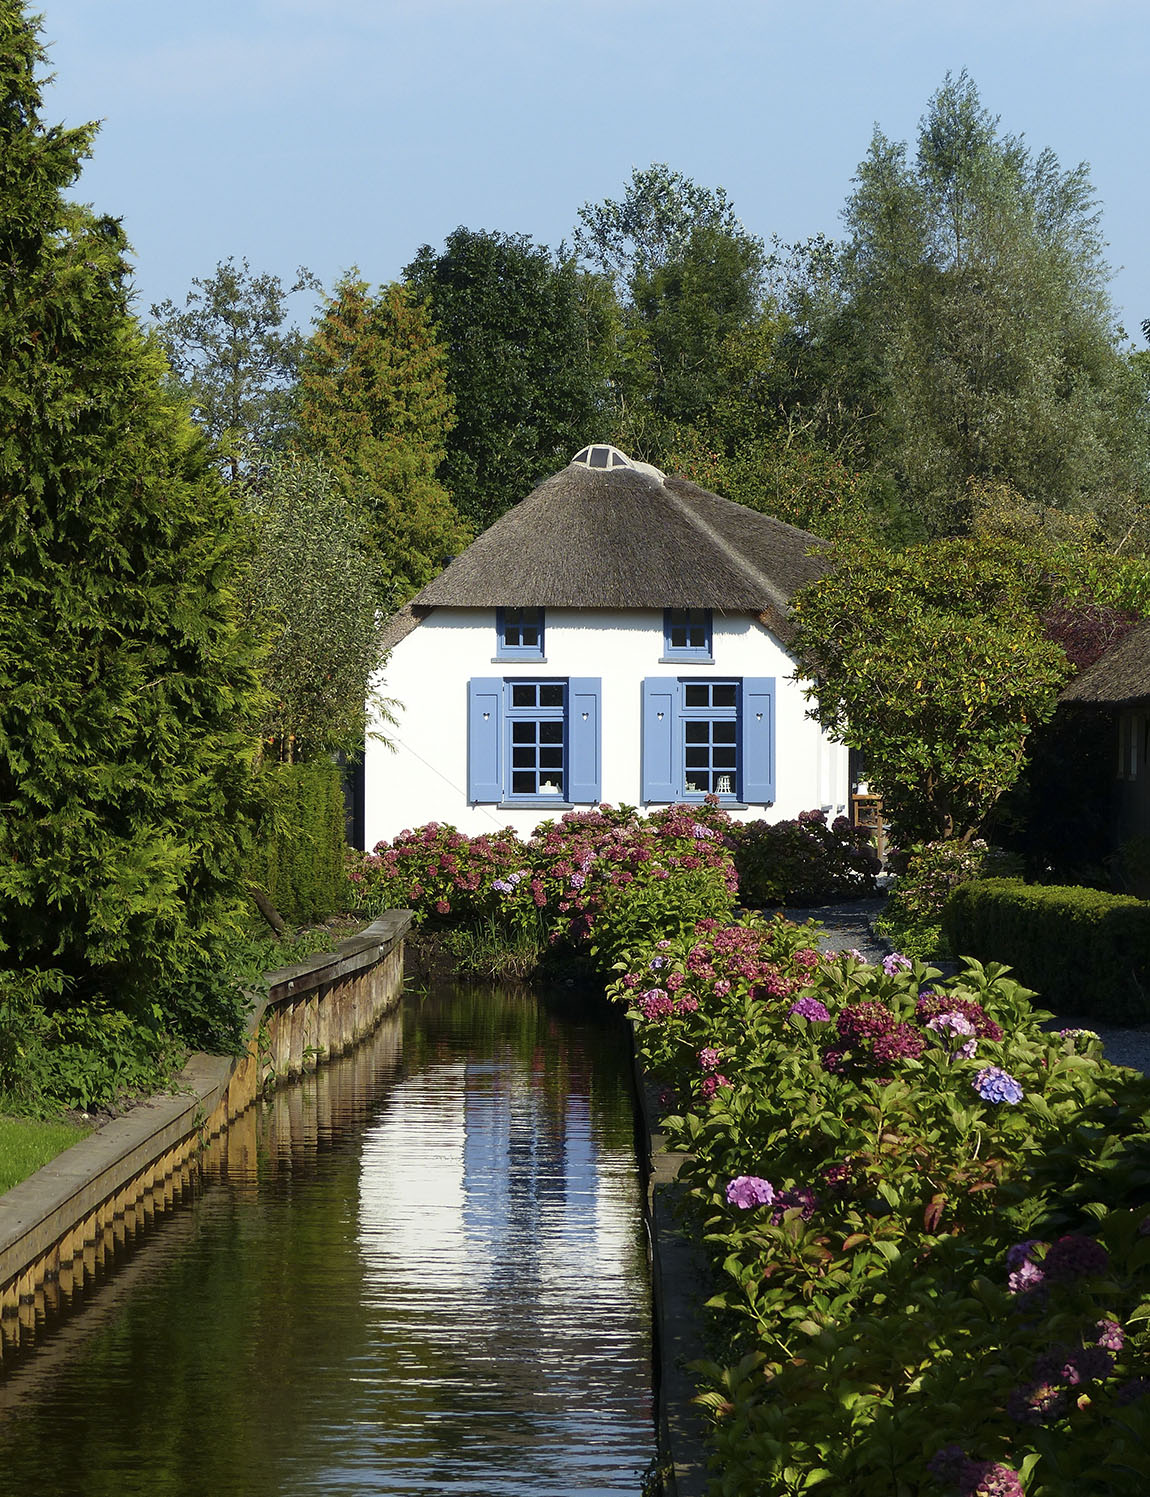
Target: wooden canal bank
[(62, 1227)]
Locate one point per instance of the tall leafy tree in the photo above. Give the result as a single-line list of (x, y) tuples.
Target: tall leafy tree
[(235, 356), (529, 339), (127, 695), (374, 404), (969, 332), (689, 277)]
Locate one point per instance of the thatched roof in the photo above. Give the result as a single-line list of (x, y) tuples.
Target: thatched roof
[(1121, 676), (626, 538)]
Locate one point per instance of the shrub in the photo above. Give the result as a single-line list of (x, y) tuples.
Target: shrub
[(301, 864), (1088, 952), (912, 918), (803, 861)]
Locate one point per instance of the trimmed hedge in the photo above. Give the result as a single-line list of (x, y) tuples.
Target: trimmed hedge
[(300, 866), (1085, 951)]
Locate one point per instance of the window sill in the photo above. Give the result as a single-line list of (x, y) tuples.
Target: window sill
[(725, 804), (686, 660), (535, 801), (519, 660)]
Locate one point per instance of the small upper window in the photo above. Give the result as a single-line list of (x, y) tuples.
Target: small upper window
[(687, 634), (520, 633)]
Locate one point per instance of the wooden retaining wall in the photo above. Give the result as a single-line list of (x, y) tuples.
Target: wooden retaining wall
[(61, 1229)]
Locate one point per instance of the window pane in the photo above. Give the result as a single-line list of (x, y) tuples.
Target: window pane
[(699, 732), (723, 758), (696, 628), (522, 732), (697, 694), (529, 637), (552, 696), (523, 783), (698, 781), (524, 695), (523, 758), (723, 732), (551, 758), (550, 732), (723, 696), (598, 458), (697, 758)]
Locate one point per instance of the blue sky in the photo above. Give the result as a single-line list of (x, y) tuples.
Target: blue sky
[(337, 132)]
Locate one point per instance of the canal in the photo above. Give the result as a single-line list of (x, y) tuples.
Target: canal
[(420, 1270)]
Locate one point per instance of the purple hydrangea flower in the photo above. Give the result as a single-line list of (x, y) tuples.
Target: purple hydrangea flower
[(578, 880), (896, 962), (856, 955), (746, 1191), (993, 1084), (811, 1008), (955, 1022), (709, 1058), (502, 885), (1026, 1277), (656, 962), (1109, 1334)]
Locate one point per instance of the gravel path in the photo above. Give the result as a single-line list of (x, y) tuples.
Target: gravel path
[(847, 926)]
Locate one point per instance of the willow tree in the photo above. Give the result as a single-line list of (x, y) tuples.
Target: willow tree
[(965, 329), (127, 695)]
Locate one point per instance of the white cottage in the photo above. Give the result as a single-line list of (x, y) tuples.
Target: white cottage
[(618, 636)]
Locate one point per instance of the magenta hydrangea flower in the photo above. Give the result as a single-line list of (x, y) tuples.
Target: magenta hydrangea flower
[(971, 1478), (655, 1004), (711, 1084), (1075, 1257), (746, 1191), (993, 1084)]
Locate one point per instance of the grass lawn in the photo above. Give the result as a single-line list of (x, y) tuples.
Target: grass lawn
[(26, 1145)]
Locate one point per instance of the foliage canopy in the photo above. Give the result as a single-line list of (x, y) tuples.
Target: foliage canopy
[(127, 693), (933, 664)]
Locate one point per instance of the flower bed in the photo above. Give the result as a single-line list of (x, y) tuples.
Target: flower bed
[(928, 1218)]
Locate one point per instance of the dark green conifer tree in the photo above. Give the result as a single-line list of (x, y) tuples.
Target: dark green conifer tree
[(126, 685)]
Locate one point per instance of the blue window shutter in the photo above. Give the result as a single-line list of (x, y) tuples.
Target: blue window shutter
[(585, 778), (484, 739), (757, 717), (660, 781)]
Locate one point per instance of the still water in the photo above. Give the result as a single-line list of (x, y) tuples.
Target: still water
[(419, 1271)]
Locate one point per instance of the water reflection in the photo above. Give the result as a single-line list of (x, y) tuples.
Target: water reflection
[(421, 1272)]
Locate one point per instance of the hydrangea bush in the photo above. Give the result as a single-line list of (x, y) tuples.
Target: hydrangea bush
[(924, 1213)]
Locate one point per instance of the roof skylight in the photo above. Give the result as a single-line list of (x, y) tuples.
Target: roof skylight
[(600, 455)]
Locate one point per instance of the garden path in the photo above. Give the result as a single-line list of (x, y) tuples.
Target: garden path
[(848, 925)]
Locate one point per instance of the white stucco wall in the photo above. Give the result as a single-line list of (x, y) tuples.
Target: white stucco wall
[(425, 779)]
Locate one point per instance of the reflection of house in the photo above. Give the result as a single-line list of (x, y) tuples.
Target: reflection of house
[(617, 636), (1119, 684)]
